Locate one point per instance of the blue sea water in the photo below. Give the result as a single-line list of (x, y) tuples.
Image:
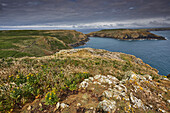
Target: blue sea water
[(153, 52)]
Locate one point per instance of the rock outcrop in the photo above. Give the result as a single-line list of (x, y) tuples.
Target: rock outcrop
[(136, 93)]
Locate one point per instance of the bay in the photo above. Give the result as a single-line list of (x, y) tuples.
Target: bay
[(156, 53)]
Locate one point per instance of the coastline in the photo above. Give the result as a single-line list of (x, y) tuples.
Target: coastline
[(80, 43), (129, 34)]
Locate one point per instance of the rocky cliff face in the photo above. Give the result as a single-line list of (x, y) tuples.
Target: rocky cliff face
[(82, 80), (126, 34)]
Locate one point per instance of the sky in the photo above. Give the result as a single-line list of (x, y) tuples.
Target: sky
[(84, 13)]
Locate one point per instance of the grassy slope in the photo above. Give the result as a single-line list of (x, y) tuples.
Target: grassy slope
[(125, 34), (60, 73), (19, 43)]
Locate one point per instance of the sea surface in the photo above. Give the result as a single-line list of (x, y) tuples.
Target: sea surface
[(156, 53)]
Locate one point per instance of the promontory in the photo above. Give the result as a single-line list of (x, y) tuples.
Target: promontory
[(129, 34)]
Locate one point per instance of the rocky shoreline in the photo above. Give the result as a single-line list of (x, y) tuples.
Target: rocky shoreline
[(80, 43), (131, 38)]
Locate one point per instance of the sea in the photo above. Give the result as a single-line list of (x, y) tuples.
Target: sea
[(156, 53)]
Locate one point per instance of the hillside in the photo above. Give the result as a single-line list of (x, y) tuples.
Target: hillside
[(128, 34), (19, 43), (82, 80)]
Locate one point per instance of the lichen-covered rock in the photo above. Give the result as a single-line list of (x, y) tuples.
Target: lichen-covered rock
[(63, 105), (108, 105), (137, 102), (84, 84), (148, 77)]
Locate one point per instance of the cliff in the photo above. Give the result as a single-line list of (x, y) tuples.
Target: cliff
[(82, 80), (128, 34), (19, 43)]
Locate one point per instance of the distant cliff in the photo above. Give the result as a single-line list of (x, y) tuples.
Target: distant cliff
[(19, 43), (129, 34)]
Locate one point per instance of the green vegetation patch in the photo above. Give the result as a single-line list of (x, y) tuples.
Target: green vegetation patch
[(37, 42), (6, 53)]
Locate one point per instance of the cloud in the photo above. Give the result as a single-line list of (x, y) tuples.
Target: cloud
[(80, 12)]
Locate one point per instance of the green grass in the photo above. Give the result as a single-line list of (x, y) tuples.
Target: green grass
[(5, 54), (36, 42)]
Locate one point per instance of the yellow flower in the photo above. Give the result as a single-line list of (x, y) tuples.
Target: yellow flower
[(49, 98), (129, 107), (11, 110), (17, 76), (141, 88), (13, 91), (38, 96), (28, 77), (130, 81), (9, 76), (125, 108), (31, 74), (17, 87)]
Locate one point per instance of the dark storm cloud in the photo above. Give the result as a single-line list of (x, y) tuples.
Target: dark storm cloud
[(75, 12)]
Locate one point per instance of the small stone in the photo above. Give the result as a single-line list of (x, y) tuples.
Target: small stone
[(78, 104), (29, 108), (168, 101), (91, 78), (84, 84), (97, 76), (57, 105), (64, 105), (165, 79), (40, 104), (91, 108), (161, 110), (148, 77), (45, 111)]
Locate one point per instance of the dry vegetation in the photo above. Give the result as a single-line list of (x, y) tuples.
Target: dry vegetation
[(38, 83)]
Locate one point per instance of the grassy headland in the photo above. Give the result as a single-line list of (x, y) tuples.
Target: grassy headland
[(19, 43), (38, 84), (128, 34)]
